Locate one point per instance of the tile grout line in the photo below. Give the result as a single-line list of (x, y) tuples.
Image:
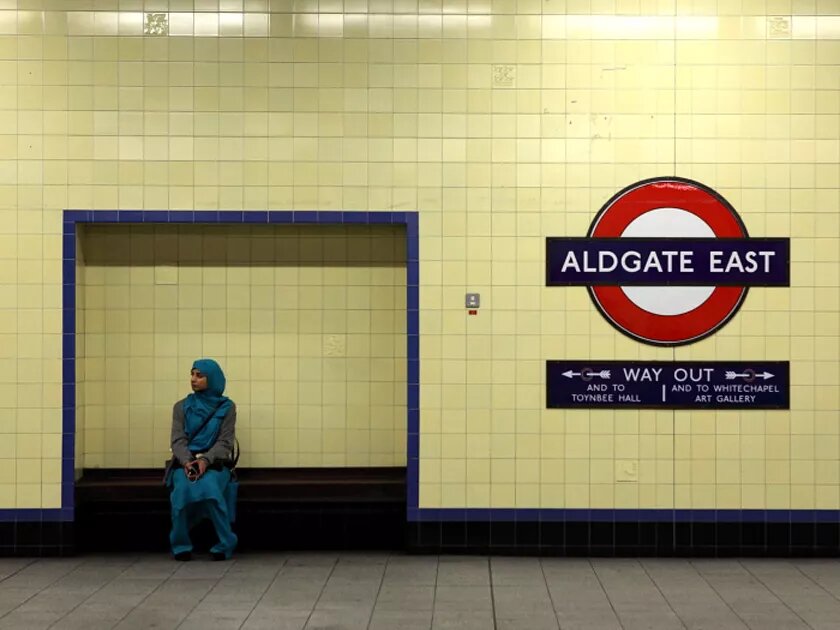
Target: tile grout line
[(434, 592), (492, 594), (659, 590), (142, 601), (76, 607), (673, 414), (550, 597), (378, 591), (808, 576), (18, 570), (210, 590), (606, 594), (265, 590), (41, 589), (321, 592), (716, 592), (776, 595)]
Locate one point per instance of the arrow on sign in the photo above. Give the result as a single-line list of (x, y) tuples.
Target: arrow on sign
[(587, 374), (730, 375)]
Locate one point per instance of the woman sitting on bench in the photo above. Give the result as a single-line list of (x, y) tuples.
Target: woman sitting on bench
[(199, 479)]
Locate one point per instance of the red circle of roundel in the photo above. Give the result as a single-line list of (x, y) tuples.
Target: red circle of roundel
[(632, 202)]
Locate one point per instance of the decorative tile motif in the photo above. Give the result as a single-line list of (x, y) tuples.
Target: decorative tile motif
[(504, 75), (156, 24), (335, 346), (778, 26)]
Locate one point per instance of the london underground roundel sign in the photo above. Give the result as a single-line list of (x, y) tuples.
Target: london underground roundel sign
[(667, 261), (667, 209)]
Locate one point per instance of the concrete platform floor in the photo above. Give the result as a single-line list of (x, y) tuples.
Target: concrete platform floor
[(382, 591)]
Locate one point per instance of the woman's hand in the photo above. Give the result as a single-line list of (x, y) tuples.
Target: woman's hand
[(195, 469), (188, 468), (202, 467)]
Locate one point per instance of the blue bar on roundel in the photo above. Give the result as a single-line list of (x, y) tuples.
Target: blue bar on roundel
[(662, 261)]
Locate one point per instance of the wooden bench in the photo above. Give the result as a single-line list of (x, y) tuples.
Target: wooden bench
[(278, 508)]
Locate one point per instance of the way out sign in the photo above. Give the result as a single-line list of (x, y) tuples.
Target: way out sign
[(669, 385)]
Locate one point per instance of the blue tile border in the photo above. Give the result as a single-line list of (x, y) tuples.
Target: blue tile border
[(622, 515), (412, 364), (36, 515), (72, 218)]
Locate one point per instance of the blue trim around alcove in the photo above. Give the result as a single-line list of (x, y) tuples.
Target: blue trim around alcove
[(72, 218)]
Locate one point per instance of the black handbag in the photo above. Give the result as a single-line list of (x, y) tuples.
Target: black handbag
[(171, 462)]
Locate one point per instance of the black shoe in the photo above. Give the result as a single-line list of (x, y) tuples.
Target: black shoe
[(217, 556), (184, 556)]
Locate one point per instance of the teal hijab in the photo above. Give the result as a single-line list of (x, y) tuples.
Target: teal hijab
[(199, 405)]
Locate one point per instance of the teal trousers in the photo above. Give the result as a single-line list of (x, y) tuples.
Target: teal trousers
[(194, 501)]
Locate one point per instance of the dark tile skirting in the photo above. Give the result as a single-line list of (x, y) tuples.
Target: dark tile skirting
[(366, 527)]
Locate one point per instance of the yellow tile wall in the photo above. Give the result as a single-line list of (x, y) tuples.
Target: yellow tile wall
[(502, 123), (307, 322)]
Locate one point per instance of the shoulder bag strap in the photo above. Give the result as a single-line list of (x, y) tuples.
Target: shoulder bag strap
[(235, 453), (206, 420)]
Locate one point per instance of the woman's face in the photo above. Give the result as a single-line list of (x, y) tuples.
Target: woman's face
[(198, 381)]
